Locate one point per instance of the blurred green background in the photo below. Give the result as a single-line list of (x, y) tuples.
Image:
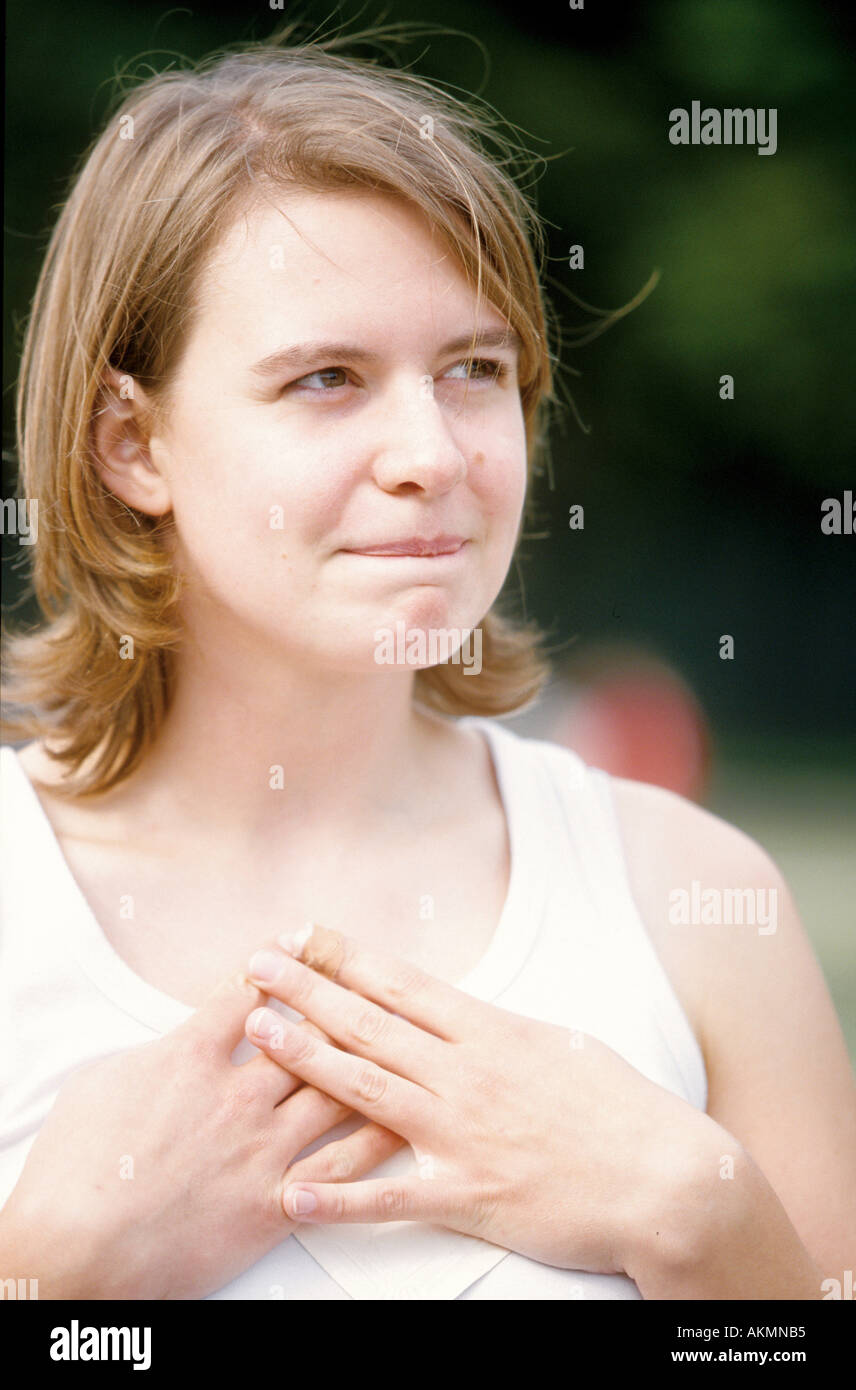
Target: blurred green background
[(702, 515)]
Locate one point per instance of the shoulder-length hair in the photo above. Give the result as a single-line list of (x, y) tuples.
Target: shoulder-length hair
[(182, 155)]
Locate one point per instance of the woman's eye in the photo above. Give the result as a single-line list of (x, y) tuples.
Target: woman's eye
[(324, 373), (481, 369)]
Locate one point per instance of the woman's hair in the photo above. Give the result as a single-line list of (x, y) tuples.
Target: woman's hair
[(182, 156)]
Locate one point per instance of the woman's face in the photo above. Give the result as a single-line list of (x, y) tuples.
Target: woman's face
[(320, 413)]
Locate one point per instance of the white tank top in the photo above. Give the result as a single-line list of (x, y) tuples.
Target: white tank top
[(570, 948)]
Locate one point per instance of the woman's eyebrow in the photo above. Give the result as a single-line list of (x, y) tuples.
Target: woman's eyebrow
[(285, 359)]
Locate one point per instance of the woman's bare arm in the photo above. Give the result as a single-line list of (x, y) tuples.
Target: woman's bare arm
[(779, 1075)]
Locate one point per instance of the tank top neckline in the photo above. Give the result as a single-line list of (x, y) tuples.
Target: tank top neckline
[(512, 941)]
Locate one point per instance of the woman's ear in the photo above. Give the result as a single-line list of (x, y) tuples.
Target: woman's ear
[(122, 445)]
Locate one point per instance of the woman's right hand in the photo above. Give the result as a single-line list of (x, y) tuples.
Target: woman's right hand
[(159, 1171)]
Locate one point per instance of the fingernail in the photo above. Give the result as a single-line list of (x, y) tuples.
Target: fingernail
[(263, 1023), (266, 965), (294, 942), (300, 1202)]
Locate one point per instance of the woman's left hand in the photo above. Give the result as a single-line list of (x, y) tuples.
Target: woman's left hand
[(537, 1138)]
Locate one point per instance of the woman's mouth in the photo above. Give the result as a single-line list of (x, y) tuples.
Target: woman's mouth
[(418, 546)]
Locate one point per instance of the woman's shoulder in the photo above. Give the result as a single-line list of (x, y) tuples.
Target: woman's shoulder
[(716, 906), (666, 832), (662, 832)]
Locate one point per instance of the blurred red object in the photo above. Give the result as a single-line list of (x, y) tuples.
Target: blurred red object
[(638, 719)]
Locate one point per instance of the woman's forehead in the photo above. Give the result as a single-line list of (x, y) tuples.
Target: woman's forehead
[(322, 258), (340, 227)]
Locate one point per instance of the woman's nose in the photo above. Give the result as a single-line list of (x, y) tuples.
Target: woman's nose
[(415, 447)]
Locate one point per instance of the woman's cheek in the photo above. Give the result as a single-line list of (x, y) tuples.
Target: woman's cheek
[(502, 491), (230, 538)]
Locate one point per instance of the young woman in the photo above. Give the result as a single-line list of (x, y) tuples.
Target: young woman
[(281, 396)]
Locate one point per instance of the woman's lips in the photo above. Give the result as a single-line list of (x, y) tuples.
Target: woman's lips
[(414, 546)]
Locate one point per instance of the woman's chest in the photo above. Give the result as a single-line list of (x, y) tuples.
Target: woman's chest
[(184, 925)]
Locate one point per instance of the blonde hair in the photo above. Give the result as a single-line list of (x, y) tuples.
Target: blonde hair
[(117, 290)]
